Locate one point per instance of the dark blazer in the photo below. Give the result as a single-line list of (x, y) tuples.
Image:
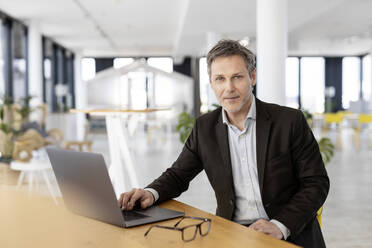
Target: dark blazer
[(291, 174)]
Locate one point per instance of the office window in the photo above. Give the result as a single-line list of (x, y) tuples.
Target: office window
[(204, 85), (47, 72), (367, 84), (88, 68), (138, 92), (70, 77), (2, 80), (48, 80), (164, 63), (312, 84), (19, 61), (292, 84), (350, 80), (120, 62)]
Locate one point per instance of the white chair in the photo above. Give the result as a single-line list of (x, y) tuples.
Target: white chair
[(31, 169)]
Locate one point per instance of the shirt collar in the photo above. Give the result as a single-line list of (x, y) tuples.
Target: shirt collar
[(251, 113)]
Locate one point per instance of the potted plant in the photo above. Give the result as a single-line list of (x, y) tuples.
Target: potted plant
[(25, 109), (12, 116), (185, 125), (6, 128)]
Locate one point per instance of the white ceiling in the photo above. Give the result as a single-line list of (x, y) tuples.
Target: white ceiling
[(180, 27)]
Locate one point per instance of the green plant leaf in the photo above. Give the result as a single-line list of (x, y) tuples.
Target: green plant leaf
[(326, 149), (185, 126)]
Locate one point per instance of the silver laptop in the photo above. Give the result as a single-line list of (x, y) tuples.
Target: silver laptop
[(87, 190)]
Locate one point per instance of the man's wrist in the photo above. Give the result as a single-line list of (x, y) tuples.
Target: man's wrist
[(283, 229), (154, 193)]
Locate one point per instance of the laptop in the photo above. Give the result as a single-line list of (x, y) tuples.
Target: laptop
[(87, 190)]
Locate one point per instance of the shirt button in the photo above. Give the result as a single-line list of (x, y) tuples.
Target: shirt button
[(231, 202)]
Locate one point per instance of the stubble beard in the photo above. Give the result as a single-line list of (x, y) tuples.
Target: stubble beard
[(240, 107)]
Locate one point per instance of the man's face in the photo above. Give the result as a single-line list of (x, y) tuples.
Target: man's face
[(231, 83)]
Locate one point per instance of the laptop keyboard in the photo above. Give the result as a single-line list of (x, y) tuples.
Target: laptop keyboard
[(130, 215)]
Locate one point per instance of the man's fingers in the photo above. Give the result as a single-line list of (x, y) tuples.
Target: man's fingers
[(261, 228), (260, 225), (121, 199), (267, 227), (126, 197), (255, 225), (138, 194)]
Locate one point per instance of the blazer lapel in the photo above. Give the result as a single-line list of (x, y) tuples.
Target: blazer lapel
[(223, 143), (263, 126)]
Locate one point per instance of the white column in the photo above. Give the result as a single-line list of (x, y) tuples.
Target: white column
[(35, 64), (212, 39), (271, 50), (370, 83), (80, 96)]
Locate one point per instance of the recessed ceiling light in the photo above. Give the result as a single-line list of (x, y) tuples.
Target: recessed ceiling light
[(244, 41)]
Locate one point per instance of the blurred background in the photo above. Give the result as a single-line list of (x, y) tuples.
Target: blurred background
[(71, 70)]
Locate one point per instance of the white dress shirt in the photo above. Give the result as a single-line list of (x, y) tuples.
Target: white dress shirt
[(248, 205)]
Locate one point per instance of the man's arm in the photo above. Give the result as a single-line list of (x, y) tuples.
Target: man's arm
[(176, 179), (312, 176)]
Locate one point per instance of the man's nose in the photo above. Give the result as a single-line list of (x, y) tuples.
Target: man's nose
[(230, 85)]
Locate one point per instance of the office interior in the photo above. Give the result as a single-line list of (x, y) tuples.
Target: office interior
[(61, 59)]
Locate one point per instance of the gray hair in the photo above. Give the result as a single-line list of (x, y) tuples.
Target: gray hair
[(225, 48)]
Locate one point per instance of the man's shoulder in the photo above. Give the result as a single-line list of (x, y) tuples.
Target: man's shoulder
[(212, 116), (279, 112)]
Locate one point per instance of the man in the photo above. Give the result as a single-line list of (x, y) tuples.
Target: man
[(261, 159)]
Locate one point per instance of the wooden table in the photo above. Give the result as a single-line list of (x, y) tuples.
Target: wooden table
[(37, 222)]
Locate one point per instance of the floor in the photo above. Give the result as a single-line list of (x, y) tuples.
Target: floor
[(347, 214)]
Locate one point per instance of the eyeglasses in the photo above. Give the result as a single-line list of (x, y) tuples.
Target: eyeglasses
[(189, 231)]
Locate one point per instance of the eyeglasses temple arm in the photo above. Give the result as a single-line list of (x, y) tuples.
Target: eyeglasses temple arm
[(178, 222), (165, 227)]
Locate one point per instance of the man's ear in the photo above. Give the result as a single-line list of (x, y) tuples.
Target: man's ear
[(253, 77)]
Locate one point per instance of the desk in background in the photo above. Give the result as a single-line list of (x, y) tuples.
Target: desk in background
[(120, 123)]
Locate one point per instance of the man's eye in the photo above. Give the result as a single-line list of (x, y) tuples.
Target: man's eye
[(219, 78), (238, 76)]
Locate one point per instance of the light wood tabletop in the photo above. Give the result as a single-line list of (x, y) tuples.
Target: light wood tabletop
[(91, 111), (35, 221)]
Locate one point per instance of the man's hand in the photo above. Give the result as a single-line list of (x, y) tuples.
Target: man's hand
[(128, 199), (267, 227)]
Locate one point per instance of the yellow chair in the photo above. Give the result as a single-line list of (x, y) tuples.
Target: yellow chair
[(364, 119), (344, 113), (319, 216), (334, 118), (331, 118)]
